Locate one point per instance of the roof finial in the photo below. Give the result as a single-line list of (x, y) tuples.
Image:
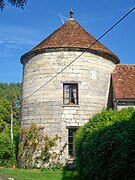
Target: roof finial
[(71, 13)]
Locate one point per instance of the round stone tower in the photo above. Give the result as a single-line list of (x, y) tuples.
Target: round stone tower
[(66, 79)]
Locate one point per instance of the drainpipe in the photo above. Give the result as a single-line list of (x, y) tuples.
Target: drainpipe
[(115, 104)]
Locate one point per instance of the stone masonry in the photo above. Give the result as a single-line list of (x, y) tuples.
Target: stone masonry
[(68, 57), (45, 107)]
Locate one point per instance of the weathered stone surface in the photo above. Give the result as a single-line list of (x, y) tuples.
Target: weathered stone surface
[(43, 104)]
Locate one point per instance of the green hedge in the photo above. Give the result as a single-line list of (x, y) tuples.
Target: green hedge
[(105, 146)]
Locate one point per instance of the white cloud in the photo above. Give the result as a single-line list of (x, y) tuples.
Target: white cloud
[(13, 39), (62, 18)]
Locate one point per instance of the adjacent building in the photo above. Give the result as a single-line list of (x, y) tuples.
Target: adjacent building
[(123, 86)]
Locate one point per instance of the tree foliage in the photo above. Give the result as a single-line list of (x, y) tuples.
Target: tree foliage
[(7, 150), (16, 3), (10, 97), (105, 146)]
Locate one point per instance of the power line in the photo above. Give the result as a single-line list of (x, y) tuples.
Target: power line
[(81, 53)]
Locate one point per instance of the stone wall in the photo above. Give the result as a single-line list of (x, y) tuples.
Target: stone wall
[(45, 106)]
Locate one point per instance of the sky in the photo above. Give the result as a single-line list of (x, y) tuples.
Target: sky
[(21, 30)]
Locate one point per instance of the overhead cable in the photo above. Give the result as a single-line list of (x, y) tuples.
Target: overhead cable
[(80, 54)]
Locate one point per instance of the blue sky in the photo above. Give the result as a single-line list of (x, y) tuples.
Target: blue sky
[(21, 30)]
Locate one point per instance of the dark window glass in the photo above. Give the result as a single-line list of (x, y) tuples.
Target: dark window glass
[(126, 103), (71, 136)]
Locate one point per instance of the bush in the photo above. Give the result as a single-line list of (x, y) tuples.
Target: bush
[(7, 150), (36, 149), (105, 146)]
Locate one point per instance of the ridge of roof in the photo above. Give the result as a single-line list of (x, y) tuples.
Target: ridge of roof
[(72, 35), (123, 79)]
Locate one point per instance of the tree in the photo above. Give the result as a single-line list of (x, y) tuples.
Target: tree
[(10, 101), (10, 95), (16, 3), (4, 114)]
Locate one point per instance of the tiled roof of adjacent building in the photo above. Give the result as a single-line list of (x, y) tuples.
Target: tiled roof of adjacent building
[(72, 35), (123, 79)]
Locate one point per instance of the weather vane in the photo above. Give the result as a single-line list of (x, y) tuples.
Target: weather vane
[(71, 13)]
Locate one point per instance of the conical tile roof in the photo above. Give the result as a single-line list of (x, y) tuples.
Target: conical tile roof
[(72, 35)]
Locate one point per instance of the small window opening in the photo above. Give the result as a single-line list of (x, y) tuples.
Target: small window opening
[(70, 94), (71, 145)]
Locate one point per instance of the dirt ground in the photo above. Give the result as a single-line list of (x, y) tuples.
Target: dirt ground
[(1, 178)]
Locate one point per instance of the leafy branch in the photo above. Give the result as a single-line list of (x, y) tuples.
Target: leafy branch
[(16, 3)]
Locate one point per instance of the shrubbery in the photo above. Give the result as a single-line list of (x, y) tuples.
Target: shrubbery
[(36, 149), (7, 150), (105, 146)]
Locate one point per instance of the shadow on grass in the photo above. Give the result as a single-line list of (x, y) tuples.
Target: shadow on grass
[(70, 174)]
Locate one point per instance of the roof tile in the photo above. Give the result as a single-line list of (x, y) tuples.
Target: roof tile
[(72, 35), (123, 79)]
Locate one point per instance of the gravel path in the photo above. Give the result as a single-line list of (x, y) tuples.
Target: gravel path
[(1, 178)]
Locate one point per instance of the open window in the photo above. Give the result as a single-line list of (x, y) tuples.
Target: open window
[(70, 94)]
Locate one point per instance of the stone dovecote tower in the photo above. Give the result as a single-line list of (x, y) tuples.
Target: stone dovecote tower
[(62, 102)]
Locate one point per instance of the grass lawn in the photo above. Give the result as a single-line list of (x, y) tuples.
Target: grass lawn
[(22, 174)]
